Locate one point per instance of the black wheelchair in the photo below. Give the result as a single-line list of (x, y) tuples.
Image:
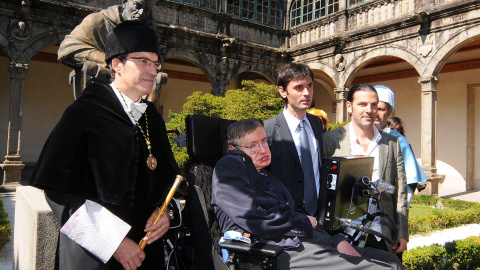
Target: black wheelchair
[(195, 244)]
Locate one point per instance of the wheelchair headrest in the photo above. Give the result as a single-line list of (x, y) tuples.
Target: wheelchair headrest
[(206, 136)]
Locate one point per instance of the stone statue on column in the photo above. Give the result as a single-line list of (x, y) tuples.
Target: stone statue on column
[(84, 48)]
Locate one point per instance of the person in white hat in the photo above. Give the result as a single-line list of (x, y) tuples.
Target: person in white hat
[(413, 170)]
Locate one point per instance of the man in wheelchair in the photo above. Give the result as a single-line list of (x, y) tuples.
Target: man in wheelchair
[(248, 199)]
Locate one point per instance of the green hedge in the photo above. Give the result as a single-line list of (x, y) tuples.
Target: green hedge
[(428, 213), (425, 200), (426, 258), (5, 229), (456, 255)]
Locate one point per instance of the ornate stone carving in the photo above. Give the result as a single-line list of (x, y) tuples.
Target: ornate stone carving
[(425, 44), (226, 42), (340, 39), (20, 30), (223, 65), (339, 62)]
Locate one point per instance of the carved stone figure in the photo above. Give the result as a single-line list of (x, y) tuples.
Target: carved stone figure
[(84, 47), (20, 30), (339, 62)]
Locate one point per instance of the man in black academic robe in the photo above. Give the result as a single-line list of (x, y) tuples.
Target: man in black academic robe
[(98, 153)]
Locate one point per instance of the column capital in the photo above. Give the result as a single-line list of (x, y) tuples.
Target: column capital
[(429, 83), (18, 70), (341, 92)]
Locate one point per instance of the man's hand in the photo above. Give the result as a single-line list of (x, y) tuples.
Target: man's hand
[(345, 248), (129, 254), (313, 220), (159, 229), (401, 245)]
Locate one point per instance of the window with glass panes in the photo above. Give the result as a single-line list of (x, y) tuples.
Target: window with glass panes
[(268, 12), (304, 11)]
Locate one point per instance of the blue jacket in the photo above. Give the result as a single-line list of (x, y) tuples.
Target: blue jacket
[(246, 200), (413, 170)]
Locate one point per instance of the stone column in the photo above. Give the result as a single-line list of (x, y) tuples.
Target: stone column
[(428, 131), (219, 83), (12, 166), (341, 94), (218, 91)]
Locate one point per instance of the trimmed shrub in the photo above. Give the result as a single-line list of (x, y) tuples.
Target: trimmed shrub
[(425, 258), (456, 255), (425, 199), (463, 254), (5, 229), (459, 204)]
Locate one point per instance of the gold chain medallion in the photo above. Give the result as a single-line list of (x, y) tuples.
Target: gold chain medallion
[(151, 160)]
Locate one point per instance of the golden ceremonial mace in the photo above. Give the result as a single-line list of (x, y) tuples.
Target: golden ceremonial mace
[(163, 209)]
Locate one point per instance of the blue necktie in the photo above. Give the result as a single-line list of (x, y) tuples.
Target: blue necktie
[(310, 188)]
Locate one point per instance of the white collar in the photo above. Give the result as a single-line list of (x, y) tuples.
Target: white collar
[(353, 136), (293, 122), (136, 108)]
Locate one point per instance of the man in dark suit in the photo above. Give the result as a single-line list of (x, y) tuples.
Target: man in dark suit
[(295, 85), (361, 137), (250, 201)]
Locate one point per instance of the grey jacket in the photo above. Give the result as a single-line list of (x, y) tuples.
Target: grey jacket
[(391, 170)]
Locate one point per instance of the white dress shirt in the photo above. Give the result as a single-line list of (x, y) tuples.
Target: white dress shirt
[(372, 151), (293, 123)]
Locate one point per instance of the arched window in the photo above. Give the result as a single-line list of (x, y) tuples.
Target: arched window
[(207, 4), (304, 11), (268, 12)]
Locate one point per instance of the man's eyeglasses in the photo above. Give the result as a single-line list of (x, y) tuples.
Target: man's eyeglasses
[(144, 62), (256, 146)]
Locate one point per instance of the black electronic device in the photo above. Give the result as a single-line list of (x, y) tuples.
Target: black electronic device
[(345, 186)]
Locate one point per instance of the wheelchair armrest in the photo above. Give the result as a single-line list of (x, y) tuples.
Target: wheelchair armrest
[(255, 248)]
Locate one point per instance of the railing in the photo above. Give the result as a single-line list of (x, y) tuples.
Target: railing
[(360, 14)]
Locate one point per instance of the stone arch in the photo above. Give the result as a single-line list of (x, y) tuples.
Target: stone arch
[(362, 60), (268, 73), (207, 67), (453, 44), (37, 43), (328, 70), (325, 75)]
